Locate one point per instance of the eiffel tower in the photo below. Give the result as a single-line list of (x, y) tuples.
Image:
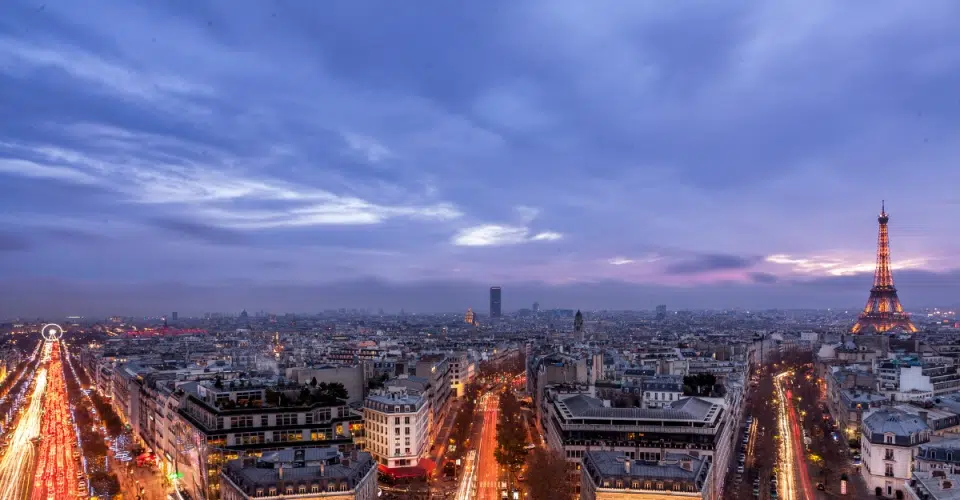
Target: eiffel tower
[(883, 311)]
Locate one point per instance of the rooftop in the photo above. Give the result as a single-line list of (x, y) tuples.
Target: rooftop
[(896, 422), (674, 468), (343, 476), (574, 406)]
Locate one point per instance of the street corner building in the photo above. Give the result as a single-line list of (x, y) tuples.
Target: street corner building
[(306, 474)]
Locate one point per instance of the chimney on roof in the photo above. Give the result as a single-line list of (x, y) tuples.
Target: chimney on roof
[(322, 466), (923, 416), (280, 471), (686, 464), (627, 464)]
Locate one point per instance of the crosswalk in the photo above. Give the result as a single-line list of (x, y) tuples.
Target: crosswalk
[(487, 484)]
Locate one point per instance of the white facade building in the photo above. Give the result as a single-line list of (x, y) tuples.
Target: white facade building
[(890, 440), (397, 426)]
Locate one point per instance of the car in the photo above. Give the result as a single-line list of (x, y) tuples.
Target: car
[(743, 457), (740, 469), (821, 487)]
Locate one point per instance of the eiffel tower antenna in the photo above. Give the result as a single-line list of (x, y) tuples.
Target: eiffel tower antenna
[(883, 311)]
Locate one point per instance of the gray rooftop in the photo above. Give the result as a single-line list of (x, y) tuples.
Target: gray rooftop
[(584, 406), (896, 422), (244, 473), (682, 468)]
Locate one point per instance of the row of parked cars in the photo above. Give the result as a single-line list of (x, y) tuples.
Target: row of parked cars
[(742, 464)]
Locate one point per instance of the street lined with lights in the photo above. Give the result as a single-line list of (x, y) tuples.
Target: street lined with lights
[(17, 465), (794, 478), (56, 470), (488, 471)]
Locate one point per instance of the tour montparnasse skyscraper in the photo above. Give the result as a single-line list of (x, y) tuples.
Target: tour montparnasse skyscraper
[(495, 304), (883, 311)]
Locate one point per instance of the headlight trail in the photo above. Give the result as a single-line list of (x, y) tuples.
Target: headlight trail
[(56, 471), (794, 477), (16, 467)]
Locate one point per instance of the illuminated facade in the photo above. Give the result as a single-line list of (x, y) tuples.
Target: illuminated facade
[(883, 311), (470, 318)]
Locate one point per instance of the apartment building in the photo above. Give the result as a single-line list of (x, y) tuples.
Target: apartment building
[(907, 378), (611, 475), (462, 372), (397, 428), (576, 423), (661, 390), (222, 423), (304, 474), (889, 442)]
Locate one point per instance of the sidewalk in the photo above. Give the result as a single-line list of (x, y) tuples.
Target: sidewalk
[(443, 436), (132, 477)]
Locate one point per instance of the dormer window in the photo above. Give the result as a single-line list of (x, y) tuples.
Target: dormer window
[(888, 438)]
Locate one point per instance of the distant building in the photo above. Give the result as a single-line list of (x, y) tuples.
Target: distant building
[(495, 304), (536, 307), (173, 316), (661, 312), (578, 326), (470, 318)]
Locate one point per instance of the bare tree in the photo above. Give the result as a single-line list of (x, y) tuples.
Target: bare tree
[(548, 476)]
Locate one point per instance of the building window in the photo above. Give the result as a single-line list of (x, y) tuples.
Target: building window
[(888, 454), (287, 419), (287, 436), (242, 421), (406, 420), (323, 415), (264, 420), (888, 470), (888, 439)]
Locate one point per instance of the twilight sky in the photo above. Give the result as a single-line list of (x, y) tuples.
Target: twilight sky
[(300, 155)]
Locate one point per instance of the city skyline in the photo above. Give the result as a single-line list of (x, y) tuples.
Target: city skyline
[(280, 158)]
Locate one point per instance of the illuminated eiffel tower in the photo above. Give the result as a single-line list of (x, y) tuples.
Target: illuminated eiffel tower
[(883, 311)]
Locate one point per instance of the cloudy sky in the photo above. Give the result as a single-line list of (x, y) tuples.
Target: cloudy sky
[(296, 155)]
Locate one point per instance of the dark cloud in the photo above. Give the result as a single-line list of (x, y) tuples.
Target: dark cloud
[(763, 278), (13, 242), (71, 235), (199, 231), (275, 264), (708, 263), (55, 298), (617, 115)]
